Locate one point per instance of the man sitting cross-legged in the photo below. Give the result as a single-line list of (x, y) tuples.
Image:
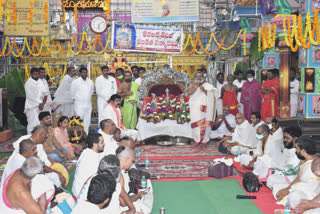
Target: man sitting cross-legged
[(15, 194), (100, 191), (107, 129), (224, 125), (256, 120), (307, 184), (243, 138), (288, 169), (267, 154)]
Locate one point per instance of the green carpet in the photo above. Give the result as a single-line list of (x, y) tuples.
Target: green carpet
[(201, 197), (4, 155)]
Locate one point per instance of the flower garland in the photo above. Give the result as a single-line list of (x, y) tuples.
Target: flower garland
[(2, 2), (244, 42), (30, 15), (259, 40), (8, 9), (14, 15), (46, 11), (76, 13)]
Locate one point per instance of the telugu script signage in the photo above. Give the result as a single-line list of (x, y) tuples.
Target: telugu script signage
[(157, 11), (22, 26), (147, 38)]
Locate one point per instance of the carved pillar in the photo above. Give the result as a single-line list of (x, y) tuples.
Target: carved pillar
[(284, 80)]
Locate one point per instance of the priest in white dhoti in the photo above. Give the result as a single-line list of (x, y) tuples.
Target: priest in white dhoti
[(243, 138), (288, 168), (107, 129), (220, 84), (112, 112), (46, 91), (88, 162), (239, 83), (63, 101), (294, 90), (35, 99), (306, 186), (27, 148), (105, 87), (224, 124), (266, 156), (202, 108), (81, 92)]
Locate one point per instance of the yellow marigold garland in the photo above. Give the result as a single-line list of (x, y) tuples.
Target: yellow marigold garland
[(259, 39), (244, 42), (14, 12), (46, 12)]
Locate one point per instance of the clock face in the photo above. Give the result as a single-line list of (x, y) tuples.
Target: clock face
[(98, 24)]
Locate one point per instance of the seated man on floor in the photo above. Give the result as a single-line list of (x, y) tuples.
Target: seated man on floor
[(127, 142), (288, 169), (256, 120), (27, 148), (268, 121), (276, 132), (224, 124), (243, 138), (267, 154), (16, 192), (88, 162), (107, 130), (38, 136), (51, 146), (99, 195), (306, 186), (112, 112)]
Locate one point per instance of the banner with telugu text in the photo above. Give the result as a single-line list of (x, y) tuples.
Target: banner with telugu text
[(23, 28), (146, 38), (157, 11)]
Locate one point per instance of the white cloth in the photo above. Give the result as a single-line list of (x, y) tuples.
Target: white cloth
[(41, 153), (138, 80), (85, 207), (110, 145), (239, 85), (256, 126), (34, 97), (294, 90), (289, 161), (108, 113), (307, 188), (81, 92), (165, 127), (197, 101), (105, 88), (313, 211), (62, 97), (14, 162), (218, 95), (246, 136), (278, 136), (222, 130), (114, 206), (86, 166), (49, 103)]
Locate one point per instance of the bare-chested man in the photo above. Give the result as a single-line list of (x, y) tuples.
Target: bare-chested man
[(16, 191), (229, 95), (128, 90)]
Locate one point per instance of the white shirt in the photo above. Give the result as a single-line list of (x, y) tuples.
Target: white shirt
[(85, 207), (87, 166), (138, 80), (81, 92), (63, 93), (294, 90), (239, 85), (105, 88), (41, 153), (245, 135), (110, 145), (34, 94), (108, 113)]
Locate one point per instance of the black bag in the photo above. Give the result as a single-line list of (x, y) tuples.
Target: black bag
[(222, 149), (250, 182)]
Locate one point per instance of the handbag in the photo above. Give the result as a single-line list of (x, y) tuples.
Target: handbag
[(250, 182), (221, 168)]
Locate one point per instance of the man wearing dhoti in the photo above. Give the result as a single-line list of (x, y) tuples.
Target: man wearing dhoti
[(306, 186), (224, 125), (202, 108), (81, 92), (229, 95), (294, 90), (128, 90), (106, 86), (243, 138), (269, 92), (288, 168), (220, 84), (36, 99), (43, 80), (266, 156), (112, 112), (62, 97), (239, 83)]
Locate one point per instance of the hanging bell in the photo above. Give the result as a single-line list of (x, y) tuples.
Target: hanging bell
[(62, 33)]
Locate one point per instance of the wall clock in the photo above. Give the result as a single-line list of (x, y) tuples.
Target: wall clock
[(98, 24)]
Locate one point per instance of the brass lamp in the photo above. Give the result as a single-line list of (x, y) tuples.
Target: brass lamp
[(61, 32)]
